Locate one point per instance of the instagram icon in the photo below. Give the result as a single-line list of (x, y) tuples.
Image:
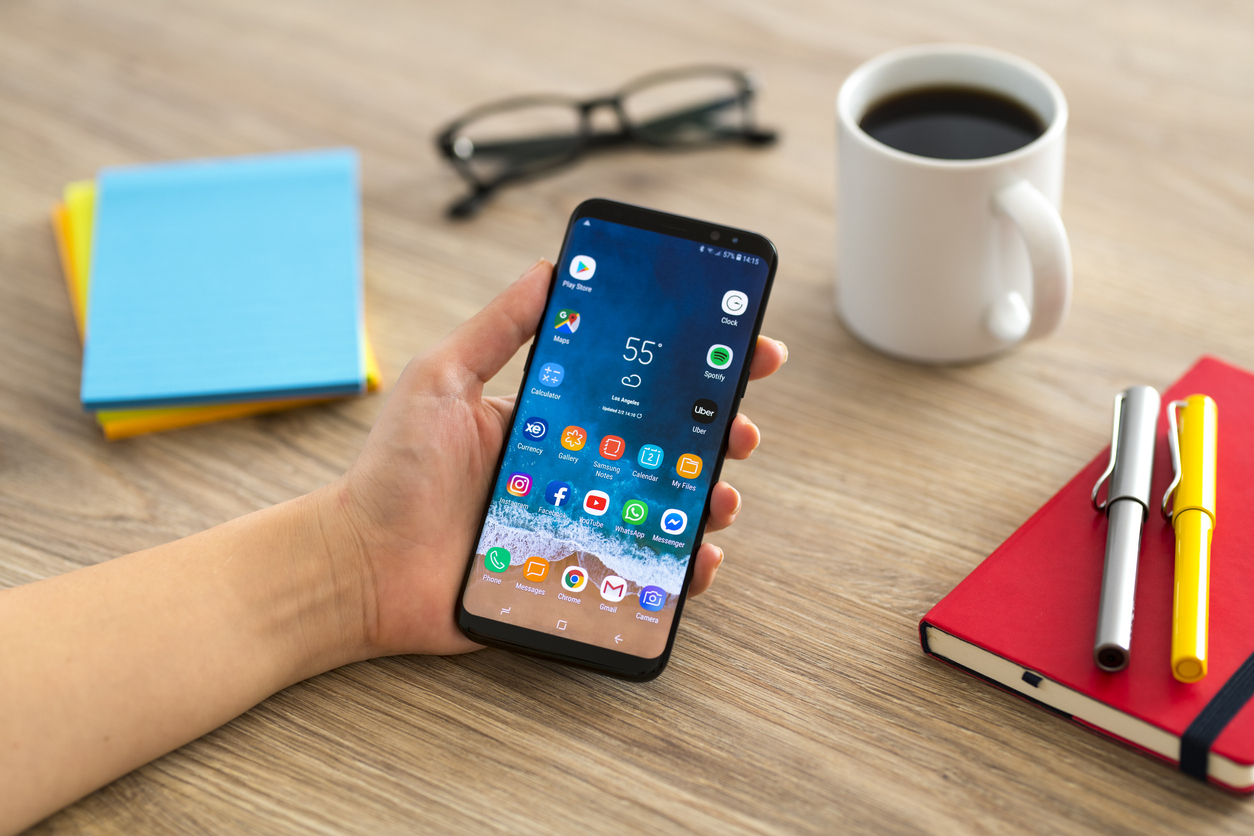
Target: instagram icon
[(519, 484)]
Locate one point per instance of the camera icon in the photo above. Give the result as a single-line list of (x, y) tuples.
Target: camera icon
[(652, 598)]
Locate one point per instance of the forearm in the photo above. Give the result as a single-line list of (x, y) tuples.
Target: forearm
[(107, 668)]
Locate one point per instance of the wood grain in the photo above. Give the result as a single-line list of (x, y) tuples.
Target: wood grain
[(798, 700)]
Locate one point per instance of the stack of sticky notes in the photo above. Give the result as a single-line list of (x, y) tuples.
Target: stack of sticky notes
[(215, 289)]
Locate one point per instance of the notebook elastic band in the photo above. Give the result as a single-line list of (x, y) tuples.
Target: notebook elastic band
[(1210, 722)]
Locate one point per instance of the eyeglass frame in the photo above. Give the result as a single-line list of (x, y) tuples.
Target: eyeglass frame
[(586, 139)]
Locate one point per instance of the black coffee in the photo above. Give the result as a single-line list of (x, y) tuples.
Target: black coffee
[(952, 123)]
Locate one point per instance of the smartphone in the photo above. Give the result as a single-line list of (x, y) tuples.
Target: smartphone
[(618, 435)]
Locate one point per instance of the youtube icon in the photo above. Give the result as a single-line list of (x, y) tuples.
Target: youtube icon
[(596, 503)]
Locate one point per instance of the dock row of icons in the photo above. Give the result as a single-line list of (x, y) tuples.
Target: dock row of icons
[(574, 579)]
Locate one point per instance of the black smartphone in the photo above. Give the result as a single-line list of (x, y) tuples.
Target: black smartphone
[(603, 486)]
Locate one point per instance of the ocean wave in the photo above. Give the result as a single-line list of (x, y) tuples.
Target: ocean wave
[(526, 533)]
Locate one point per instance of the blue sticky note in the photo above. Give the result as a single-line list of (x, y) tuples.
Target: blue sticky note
[(225, 280)]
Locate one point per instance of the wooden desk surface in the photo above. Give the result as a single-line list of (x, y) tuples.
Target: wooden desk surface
[(798, 699)]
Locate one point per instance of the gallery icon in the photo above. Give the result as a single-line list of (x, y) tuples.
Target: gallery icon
[(596, 503), (582, 267), (558, 493), (649, 457), (652, 598), (574, 438), (574, 579), (519, 484), (536, 569), (535, 428), (567, 321), (613, 589), (635, 512), (674, 521), (688, 466), (551, 374), (719, 356), (612, 447), (497, 559), (704, 411), (735, 302)]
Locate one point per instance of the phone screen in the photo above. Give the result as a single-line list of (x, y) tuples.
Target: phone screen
[(618, 434)]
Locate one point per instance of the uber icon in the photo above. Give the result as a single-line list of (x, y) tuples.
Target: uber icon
[(704, 411)]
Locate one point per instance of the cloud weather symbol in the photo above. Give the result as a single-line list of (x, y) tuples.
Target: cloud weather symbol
[(632, 380)]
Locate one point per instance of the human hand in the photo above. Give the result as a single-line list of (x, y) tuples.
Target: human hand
[(409, 508)]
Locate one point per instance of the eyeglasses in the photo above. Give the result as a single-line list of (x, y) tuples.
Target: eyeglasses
[(520, 138)]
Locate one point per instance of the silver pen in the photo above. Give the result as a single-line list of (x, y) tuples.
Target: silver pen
[(1126, 507)]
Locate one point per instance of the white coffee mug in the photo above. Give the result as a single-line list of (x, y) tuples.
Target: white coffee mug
[(944, 260)]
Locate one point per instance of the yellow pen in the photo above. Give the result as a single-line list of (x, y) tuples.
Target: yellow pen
[(1194, 443)]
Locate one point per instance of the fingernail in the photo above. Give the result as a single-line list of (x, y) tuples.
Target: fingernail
[(537, 263), (721, 555), (784, 348)]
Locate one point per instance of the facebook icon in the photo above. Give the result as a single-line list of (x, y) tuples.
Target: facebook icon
[(558, 493)]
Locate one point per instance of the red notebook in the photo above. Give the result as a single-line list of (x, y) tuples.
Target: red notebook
[(1025, 619)]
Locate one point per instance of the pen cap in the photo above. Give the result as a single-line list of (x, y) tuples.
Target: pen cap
[(1134, 453), (1199, 445)]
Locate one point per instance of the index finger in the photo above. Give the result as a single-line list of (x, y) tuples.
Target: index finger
[(768, 356)]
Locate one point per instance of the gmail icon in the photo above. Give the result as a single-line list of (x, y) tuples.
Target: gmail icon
[(613, 589)]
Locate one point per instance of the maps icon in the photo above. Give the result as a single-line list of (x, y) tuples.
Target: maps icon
[(567, 321)]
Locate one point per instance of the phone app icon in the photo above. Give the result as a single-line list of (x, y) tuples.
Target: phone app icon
[(558, 493), (674, 521), (567, 321), (735, 302), (652, 598), (574, 438), (575, 578), (635, 512), (519, 484), (613, 447), (719, 356), (535, 428), (596, 503), (704, 411), (497, 559), (650, 457), (551, 374), (582, 267), (536, 569), (613, 589), (688, 466)]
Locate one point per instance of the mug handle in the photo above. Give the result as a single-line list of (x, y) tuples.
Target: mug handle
[(1050, 256)]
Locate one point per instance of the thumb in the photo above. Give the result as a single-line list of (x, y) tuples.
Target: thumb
[(484, 343)]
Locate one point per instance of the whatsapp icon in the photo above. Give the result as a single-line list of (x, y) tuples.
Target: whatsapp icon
[(497, 559), (635, 512)]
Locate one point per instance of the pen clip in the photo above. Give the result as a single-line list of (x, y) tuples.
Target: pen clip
[(1173, 441), (1114, 452)]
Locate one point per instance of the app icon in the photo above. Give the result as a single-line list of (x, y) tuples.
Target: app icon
[(674, 521), (612, 447), (688, 466), (536, 569), (613, 589), (497, 559), (635, 511), (652, 598), (704, 411), (558, 493), (535, 428), (719, 356), (567, 321), (519, 484), (596, 503), (734, 302), (649, 457), (551, 374), (582, 267), (575, 578), (573, 438)]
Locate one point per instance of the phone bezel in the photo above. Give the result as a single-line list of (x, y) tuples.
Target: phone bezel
[(534, 642)]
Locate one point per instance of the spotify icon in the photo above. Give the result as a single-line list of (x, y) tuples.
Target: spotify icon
[(719, 356)]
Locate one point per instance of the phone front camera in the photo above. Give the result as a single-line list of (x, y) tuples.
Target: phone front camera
[(714, 235)]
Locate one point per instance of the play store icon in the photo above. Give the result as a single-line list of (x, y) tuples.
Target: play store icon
[(582, 267)]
